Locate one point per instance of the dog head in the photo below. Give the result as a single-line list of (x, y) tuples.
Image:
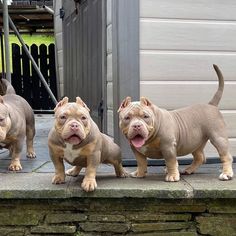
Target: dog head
[(73, 122), (5, 121), (137, 120)]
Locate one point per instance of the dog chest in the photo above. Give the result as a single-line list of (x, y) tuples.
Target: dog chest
[(71, 154)]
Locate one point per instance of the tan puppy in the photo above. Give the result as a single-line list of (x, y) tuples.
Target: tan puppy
[(154, 132), (76, 138), (16, 122)]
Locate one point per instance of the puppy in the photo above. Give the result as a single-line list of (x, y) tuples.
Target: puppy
[(6, 87), (76, 138), (16, 122), (157, 133)]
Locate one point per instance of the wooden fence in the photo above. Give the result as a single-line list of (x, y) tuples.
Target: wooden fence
[(25, 79)]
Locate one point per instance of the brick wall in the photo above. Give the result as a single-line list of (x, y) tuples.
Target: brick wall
[(127, 216)]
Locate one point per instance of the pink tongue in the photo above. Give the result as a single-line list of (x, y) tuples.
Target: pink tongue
[(138, 141)]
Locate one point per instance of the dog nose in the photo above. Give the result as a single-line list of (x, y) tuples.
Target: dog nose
[(74, 126), (137, 126)]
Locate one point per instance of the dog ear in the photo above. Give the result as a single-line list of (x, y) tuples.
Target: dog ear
[(124, 104), (145, 101), (81, 103), (61, 103), (1, 99)]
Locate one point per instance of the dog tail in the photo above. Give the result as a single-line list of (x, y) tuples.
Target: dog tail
[(216, 99)]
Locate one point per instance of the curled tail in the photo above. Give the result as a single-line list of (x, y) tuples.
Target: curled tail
[(216, 99)]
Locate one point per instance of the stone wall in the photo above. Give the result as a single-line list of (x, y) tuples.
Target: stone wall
[(125, 216)]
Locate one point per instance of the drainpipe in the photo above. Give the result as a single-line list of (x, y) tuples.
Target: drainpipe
[(6, 40), (33, 61)]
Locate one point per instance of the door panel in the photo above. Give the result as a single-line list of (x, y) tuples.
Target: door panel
[(83, 54)]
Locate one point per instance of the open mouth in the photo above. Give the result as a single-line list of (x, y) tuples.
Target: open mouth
[(138, 141), (73, 139)]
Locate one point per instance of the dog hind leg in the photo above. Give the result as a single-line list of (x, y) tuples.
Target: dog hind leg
[(30, 133), (198, 159), (222, 146)]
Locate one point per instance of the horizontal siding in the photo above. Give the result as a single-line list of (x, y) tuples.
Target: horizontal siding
[(172, 94), (191, 35), (157, 65), (187, 9)]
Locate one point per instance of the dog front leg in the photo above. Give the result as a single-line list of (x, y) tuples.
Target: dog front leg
[(89, 182), (171, 165), (59, 177), (15, 152), (141, 170)]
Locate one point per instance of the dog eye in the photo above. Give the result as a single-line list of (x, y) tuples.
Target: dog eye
[(1, 119), (83, 118), (127, 118), (146, 116), (63, 117)]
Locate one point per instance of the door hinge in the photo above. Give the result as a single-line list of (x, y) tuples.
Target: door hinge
[(100, 109), (62, 13)]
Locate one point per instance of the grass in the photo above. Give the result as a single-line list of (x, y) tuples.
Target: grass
[(29, 40)]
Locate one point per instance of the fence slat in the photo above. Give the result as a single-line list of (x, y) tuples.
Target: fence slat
[(43, 68), (16, 69), (26, 78), (36, 84)]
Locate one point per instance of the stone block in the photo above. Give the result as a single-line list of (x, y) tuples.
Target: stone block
[(59, 229), (65, 217), (222, 206), (217, 225), (12, 231), (20, 218), (146, 227), (107, 218), (142, 217), (181, 233), (105, 227)]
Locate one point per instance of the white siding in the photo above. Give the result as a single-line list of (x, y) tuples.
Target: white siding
[(179, 42)]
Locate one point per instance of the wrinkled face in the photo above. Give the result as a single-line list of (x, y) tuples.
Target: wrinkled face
[(72, 121), (5, 122), (136, 121)]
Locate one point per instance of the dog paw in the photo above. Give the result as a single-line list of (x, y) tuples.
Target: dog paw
[(58, 179), (226, 176), (122, 173), (31, 155), (137, 174), (172, 178), (15, 166), (187, 171), (74, 171), (89, 184)]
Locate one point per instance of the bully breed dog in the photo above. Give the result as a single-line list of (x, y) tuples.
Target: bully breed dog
[(157, 133), (76, 138), (16, 122)]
